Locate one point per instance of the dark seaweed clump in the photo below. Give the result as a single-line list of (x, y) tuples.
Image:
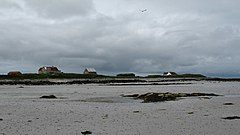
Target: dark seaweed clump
[(160, 97)]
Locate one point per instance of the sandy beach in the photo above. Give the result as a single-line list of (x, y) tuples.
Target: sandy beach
[(101, 110)]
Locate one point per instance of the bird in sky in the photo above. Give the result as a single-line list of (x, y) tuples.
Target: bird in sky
[(144, 10)]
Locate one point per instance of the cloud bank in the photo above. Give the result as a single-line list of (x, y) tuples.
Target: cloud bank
[(113, 36)]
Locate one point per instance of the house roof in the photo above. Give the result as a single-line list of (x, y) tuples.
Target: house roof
[(49, 68), (90, 70), (14, 73), (169, 73)]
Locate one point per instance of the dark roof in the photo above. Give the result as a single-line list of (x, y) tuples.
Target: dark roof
[(14, 73), (49, 68)]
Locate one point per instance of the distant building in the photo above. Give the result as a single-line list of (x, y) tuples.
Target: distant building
[(169, 73), (14, 73), (49, 70), (90, 71)]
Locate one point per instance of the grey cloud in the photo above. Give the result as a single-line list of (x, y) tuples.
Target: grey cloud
[(176, 39), (6, 4), (61, 8)]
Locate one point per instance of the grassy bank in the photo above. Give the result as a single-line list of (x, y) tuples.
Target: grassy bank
[(50, 76)]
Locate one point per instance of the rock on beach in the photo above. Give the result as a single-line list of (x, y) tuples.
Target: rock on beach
[(161, 97)]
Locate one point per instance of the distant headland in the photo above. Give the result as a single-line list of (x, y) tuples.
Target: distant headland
[(90, 75)]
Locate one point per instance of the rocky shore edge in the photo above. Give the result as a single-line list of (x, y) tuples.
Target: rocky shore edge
[(115, 81), (53, 82), (167, 96)]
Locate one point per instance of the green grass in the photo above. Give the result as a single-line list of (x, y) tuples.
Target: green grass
[(89, 76), (126, 75), (178, 76), (50, 76)]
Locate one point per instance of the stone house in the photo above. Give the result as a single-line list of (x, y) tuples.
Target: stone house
[(49, 70)]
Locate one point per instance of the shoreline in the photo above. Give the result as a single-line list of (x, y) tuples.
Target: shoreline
[(115, 81)]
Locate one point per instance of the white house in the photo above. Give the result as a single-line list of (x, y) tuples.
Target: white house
[(90, 71), (169, 73)]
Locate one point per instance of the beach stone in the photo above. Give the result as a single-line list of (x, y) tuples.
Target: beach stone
[(49, 97), (231, 118), (228, 104), (133, 95), (190, 112), (1, 119), (86, 132), (136, 111)]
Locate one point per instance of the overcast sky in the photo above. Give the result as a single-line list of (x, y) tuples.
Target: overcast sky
[(116, 36)]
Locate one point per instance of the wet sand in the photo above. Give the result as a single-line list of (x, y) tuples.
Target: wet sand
[(101, 110)]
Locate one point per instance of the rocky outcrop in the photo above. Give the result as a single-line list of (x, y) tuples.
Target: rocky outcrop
[(160, 97)]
